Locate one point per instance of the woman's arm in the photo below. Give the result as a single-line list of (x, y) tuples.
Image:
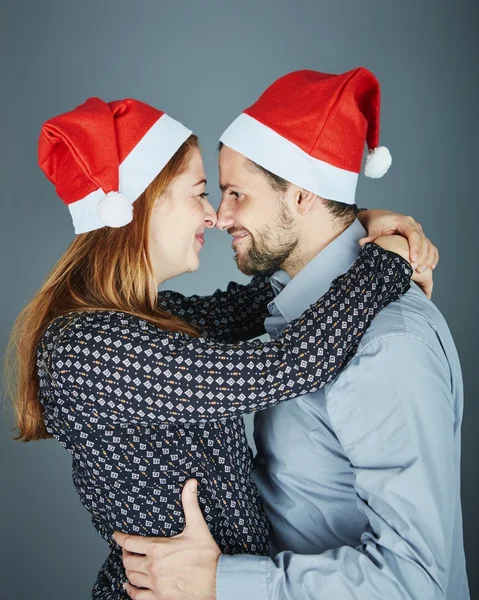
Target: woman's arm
[(233, 315), (113, 368), (238, 313), (422, 252)]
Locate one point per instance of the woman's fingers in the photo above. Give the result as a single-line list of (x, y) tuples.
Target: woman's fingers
[(138, 594)]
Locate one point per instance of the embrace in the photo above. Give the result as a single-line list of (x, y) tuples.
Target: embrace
[(355, 489)]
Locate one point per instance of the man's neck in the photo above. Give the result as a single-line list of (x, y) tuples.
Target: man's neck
[(311, 243)]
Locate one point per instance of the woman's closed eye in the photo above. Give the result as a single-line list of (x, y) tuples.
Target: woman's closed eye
[(204, 195)]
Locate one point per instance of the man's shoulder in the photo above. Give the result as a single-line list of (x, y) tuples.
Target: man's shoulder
[(407, 331), (412, 317)]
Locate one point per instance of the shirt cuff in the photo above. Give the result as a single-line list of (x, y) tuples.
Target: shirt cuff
[(241, 576)]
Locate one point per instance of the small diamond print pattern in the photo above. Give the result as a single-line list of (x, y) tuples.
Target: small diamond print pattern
[(141, 410), (231, 316)]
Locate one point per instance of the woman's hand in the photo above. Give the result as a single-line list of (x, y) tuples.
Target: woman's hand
[(399, 245), (422, 253)]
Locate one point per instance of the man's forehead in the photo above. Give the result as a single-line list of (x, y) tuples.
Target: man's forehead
[(234, 168)]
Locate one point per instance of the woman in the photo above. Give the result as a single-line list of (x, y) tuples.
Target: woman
[(141, 399)]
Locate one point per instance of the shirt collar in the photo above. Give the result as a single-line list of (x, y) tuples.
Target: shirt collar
[(294, 296)]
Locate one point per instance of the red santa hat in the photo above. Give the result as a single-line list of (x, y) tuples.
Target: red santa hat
[(101, 156), (310, 128)]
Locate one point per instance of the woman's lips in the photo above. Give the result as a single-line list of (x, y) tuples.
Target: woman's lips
[(200, 239)]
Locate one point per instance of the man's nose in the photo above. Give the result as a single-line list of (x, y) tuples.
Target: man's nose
[(225, 217)]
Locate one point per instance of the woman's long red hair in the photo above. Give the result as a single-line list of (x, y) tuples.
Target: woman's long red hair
[(106, 269)]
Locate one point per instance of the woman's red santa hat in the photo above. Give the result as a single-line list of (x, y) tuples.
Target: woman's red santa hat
[(310, 129), (101, 156)]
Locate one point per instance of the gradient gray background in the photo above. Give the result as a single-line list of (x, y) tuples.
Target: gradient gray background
[(203, 62)]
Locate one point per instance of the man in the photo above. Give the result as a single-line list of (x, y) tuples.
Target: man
[(359, 480)]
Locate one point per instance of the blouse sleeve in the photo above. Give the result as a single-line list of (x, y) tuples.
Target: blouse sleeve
[(115, 368), (230, 316)]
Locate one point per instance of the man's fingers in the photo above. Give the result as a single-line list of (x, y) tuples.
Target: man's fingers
[(138, 579), (135, 562), (132, 543), (137, 594), (195, 522)]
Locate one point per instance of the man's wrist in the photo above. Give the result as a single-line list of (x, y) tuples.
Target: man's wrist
[(241, 576)]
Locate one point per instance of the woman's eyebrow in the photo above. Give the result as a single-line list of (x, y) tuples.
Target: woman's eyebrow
[(199, 183)]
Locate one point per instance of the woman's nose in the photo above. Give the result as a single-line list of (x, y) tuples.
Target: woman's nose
[(210, 216)]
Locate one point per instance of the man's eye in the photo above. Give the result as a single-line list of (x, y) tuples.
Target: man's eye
[(236, 194)]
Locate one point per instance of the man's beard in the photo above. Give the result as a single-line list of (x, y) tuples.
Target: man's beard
[(270, 248)]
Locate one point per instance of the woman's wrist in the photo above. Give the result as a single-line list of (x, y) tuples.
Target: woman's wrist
[(385, 256), (394, 243)]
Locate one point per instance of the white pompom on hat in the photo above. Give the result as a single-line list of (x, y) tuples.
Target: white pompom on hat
[(115, 210), (378, 162)]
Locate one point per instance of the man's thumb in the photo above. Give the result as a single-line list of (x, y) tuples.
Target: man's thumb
[(193, 515)]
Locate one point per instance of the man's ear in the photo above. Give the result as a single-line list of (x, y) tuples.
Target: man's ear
[(305, 201)]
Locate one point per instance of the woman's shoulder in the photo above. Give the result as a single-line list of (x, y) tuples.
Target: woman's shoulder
[(84, 324)]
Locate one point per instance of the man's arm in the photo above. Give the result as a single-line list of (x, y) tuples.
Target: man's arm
[(391, 411)]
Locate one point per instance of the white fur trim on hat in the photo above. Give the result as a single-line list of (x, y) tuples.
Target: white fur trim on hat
[(269, 149)]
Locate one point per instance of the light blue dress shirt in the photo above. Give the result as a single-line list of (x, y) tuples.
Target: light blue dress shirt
[(361, 480)]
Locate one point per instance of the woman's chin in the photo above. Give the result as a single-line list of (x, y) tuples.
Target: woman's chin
[(190, 267), (194, 265)]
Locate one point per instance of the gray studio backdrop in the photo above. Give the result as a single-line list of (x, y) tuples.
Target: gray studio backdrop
[(203, 62)]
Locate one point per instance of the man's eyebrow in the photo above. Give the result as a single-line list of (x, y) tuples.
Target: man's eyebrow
[(199, 183), (226, 186)]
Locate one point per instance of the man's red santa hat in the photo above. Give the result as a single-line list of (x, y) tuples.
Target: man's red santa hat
[(310, 129), (101, 156)]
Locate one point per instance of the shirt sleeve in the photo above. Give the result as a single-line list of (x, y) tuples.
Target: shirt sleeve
[(116, 368), (233, 315), (392, 413)]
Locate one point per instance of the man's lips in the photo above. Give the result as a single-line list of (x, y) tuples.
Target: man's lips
[(239, 236)]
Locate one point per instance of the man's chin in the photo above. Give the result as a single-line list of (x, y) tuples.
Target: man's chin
[(242, 263), (246, 267)]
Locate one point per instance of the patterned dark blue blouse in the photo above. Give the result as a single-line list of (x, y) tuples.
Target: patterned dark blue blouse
[(141, 410)]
